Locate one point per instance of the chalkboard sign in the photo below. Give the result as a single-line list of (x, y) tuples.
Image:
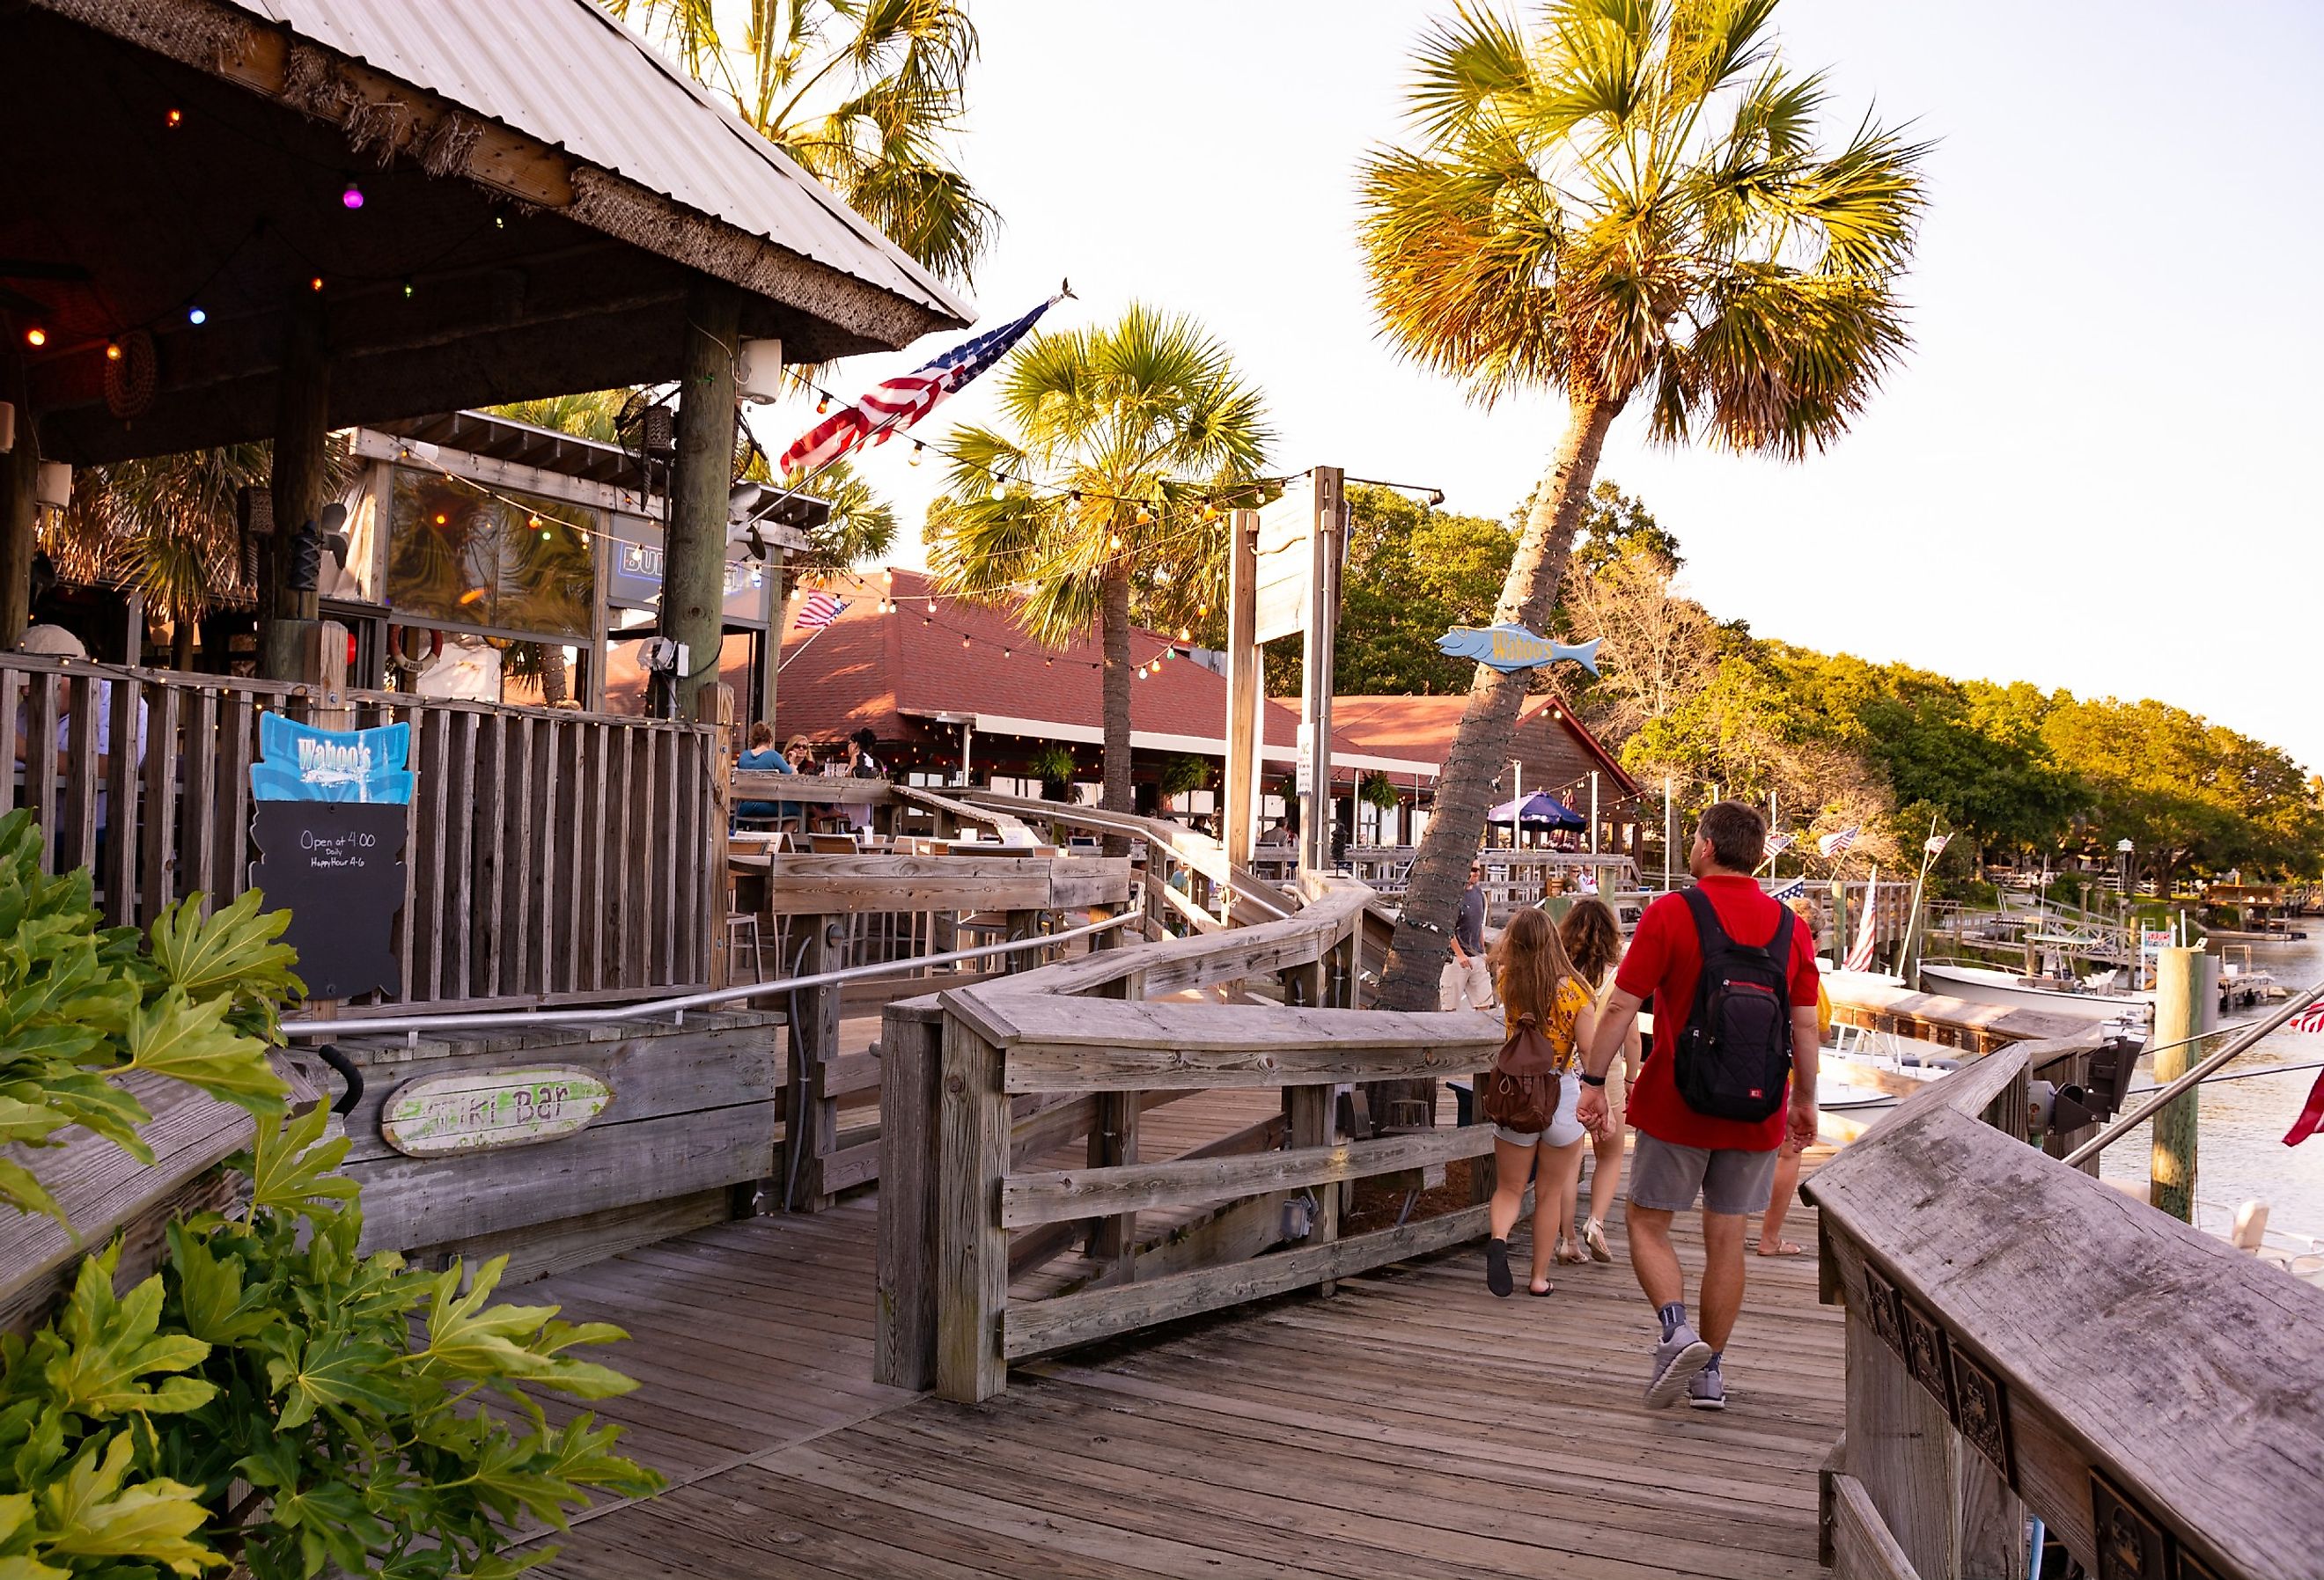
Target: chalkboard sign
[(338, 867)]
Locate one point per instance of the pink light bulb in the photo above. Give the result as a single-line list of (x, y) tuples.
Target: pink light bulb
[(352, 197)]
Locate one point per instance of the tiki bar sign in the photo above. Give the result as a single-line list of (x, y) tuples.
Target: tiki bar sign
[(1509, 648)]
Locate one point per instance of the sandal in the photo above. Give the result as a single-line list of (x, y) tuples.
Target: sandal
[(1783, 1248), (1570, 1251), (1593, 1236), (1538, 1294)]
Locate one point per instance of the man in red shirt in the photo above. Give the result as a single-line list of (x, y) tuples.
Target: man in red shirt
[(1682, 1154)]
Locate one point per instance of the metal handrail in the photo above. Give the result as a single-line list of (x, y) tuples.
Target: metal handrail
[(485, 1020), (2251, 1036)]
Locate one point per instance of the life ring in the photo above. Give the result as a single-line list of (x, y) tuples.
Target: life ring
[(407, 650)]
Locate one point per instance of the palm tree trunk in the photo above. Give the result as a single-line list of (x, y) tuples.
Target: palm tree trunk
[(1416, 961), (1113, 629)]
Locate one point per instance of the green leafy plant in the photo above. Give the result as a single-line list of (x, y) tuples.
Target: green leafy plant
[(1378, 791), (1182, 773), (1053, 765), (268, 1398)]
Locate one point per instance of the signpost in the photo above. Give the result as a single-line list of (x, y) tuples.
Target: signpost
[(328, 814), (1293, 583), (493, 1111)]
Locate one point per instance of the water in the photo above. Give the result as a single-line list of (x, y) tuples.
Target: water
[(2239, 1149)]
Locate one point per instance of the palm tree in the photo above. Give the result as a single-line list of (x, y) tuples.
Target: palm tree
[(1627, 202), (1129, 444), (866, 94)]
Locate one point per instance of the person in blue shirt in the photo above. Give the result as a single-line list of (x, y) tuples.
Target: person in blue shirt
[(761, 755)]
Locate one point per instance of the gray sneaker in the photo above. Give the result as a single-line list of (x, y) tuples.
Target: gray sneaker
[(1707, 1390), (1677, 1359)]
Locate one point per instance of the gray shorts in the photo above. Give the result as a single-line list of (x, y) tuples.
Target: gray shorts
[(1563, 1131), (1668, 1178)]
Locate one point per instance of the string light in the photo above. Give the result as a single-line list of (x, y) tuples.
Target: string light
[(406, 291), (823, 406), (963, 641), (1145, 516), (174, 119), (36, 336), (352, 197), (315, 283), (112, 351), (1185, 634), (1006, 653), (917, 448), (1114, 543), (197, 317)]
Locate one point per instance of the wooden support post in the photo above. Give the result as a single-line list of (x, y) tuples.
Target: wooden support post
[(971, 1247), (1316, 659), (1022, 924), (810, 1121), (2186, 1003), (301, 480), (694, 567), (1112, 1142), (1239, 815), (1309, 1112), (715, 705), (904, 1338), (1902, 1447), (20, 506)]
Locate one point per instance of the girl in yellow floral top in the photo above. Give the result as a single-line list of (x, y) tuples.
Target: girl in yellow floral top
[(1532, 977)]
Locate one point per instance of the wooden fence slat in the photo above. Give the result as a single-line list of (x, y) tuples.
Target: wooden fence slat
[(197, 847), (156, 824), (121, 738), (520, 861), (596, 854), (666, 847), (425, 853), (77, 848), (41, 761), (971, 1248), (460, 743), (1049, 1198), (12, 728), (490, 789), (238, 746)]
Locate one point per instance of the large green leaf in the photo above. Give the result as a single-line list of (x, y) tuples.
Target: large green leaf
[(332, 1371), (183, 1039), (236, 952), (289, 1171), (111, 1345), (89, 1513)]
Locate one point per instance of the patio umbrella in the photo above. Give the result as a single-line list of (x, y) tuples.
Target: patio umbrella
[(1537, 811)]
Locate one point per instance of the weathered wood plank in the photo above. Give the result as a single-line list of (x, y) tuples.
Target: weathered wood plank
[(158, 857), (43, 696), (808, 886), (539, 1250), (1083, 1045), (1862, 1547), (971, 1248), (1027, 1199), (2025, 1249), (412, 1201), (1073, 1319), (911, 1053)]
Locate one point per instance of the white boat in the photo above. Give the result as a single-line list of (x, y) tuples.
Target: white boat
[(2098, 998)]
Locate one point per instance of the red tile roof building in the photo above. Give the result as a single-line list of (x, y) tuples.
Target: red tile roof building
[(932, 665)]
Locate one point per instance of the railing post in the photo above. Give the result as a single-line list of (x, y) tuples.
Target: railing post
[(971, 1248), (911, 1054), (1308, 1111), (1902, 1446), (810, 1120)]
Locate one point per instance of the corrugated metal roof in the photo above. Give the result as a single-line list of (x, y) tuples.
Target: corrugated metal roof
[(568, 74)]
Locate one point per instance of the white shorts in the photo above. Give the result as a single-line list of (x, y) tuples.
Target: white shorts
[(1563, 1131)]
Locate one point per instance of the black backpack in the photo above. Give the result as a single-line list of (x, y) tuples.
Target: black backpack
[(1732, 1059)]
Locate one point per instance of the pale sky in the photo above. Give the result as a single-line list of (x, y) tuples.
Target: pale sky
[(2086, 473)]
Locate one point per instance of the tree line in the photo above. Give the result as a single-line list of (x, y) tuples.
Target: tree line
[(2013, 772)]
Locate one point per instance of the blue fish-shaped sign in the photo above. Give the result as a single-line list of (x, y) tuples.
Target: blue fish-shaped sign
[(303, 763), (1511, 647)]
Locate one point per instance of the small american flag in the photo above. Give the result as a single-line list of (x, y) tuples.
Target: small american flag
[(1936, 843), (900, 402), (1797, 889), (1777, 844), (2310, 1019), (1832, 845), (1860, 958), (818, 610)]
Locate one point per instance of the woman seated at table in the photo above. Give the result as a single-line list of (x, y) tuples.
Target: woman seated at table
[(762, 757)]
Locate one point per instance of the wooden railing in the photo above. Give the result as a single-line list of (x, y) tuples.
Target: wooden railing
[(978, 1083), (1192, 887), (546, 852), (2021, 1337)]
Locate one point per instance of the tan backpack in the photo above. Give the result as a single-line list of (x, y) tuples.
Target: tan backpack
[(1522, 1089)]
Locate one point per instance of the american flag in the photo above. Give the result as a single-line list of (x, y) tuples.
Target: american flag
[(1797, 889), (895, 406), (1860, 958), (1777, 844), (2310, 1019), (1936, 843), (818, 610), (1832, 845)]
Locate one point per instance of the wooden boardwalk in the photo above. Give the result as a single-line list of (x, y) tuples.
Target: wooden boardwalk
[(1410, 1425)]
